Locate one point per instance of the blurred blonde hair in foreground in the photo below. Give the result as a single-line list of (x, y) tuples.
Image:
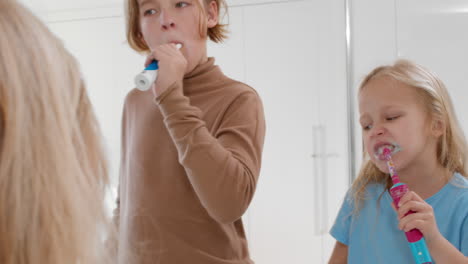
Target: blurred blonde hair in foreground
[(53, 173)]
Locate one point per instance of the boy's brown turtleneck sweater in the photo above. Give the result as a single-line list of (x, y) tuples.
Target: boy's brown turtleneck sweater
[(189, 168)]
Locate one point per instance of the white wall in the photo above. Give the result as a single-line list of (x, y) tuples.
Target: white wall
[(433, 33)]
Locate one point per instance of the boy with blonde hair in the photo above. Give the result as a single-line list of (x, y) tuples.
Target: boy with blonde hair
[(191, 147)]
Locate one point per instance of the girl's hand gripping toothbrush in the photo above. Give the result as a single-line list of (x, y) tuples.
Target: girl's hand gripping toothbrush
[(146, 78), (414, 237)]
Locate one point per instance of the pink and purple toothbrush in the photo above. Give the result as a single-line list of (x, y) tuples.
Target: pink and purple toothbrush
[(415, 237)]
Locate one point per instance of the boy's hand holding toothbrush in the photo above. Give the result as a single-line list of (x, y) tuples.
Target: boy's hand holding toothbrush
[(172, 66), (422, 219)]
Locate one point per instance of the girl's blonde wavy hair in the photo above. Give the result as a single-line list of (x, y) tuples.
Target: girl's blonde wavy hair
[(452, 146), (133, 31), (53, 173)]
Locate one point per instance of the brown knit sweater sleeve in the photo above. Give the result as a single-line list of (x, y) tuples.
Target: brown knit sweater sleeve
[(222, 167)]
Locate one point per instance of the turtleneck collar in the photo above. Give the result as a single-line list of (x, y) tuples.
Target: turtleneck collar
[(200, 78)]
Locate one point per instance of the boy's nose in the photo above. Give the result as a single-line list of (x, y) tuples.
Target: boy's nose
[(166, 20)]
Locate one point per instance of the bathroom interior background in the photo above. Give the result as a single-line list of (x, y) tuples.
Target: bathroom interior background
[(306, 59)]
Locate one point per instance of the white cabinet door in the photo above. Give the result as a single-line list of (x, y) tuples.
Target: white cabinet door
[(301, 79), (333, 115)]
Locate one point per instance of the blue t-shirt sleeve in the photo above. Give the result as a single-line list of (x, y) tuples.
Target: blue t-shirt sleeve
[(464, 237), (341, 228)]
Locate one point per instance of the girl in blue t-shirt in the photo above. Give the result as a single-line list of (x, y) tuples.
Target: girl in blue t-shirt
[(405, 105)]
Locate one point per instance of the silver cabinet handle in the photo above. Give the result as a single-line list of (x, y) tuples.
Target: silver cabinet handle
[(320, 159)]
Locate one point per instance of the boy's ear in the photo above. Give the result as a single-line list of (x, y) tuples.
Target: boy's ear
[(438, 127), (212, 14)]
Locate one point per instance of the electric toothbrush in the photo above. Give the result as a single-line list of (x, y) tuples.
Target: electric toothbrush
[(415, 237), (146, 78)]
